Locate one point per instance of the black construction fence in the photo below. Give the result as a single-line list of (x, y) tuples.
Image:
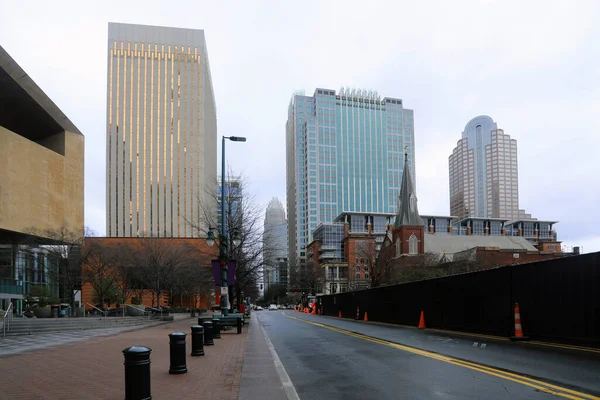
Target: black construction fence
[(559, 300)]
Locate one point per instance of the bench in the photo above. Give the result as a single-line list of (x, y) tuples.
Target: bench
[(231, 320)]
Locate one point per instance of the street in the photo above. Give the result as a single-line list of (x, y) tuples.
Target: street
[(330, 358)]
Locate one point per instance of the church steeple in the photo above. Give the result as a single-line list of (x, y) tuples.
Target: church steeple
[(408, 213)]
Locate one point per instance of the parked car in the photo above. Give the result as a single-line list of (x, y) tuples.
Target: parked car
[(258, 308), (272, 307)]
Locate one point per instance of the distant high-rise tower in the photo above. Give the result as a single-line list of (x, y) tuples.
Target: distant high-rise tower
[(275, 245), (234, 207), (484, 179), (345, 153), (161, 131)]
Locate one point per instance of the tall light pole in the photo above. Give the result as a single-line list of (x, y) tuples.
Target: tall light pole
[(223, 240)]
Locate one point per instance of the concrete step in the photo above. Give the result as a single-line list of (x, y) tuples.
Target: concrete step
[(33, 326)]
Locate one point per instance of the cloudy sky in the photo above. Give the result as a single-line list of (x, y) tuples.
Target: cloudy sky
[(531, 65)]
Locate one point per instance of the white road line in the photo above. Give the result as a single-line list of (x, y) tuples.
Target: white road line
[(288, 386)]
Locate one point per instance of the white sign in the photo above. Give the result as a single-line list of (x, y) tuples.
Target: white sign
[(224, 291), (515, 255)]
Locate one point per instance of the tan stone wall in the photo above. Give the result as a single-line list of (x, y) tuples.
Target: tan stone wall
[(40, 188)]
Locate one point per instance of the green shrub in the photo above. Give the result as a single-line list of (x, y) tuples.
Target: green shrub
[(42, 295)]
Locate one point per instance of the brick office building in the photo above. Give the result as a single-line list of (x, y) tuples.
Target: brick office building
[(105, 258)]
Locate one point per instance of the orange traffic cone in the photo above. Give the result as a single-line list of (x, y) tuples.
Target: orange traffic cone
[(422, 320), (365, 318), (340, 314), (306, 310), (314, 310), (295, 309), (518, 326)]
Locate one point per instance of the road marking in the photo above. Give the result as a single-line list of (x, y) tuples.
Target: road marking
[(288, 386), (511, 376), (481, 335)]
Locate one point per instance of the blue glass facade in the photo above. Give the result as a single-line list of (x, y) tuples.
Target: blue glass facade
[(344, 154), (233, 203)]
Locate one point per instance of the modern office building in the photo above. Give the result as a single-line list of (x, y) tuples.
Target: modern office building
[(275, 244), (484, 177), (344, 154), (161, 131), (41, 188)]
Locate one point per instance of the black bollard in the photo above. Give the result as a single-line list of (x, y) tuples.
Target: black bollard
[(208, 333), (216, 328), (239, 325), (177, 353), (200, 322), (137, 373), (197, 341)]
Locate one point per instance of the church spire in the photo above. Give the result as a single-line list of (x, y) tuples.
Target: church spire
[(408, 213)]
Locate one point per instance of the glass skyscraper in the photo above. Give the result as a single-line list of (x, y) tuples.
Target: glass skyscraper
[(275, 242), (344, 154)]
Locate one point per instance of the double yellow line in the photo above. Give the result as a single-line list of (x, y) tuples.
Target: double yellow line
[(524, 380)]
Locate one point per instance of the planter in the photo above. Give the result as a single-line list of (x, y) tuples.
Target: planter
[(135, 310), (164, 317), (42, 312)]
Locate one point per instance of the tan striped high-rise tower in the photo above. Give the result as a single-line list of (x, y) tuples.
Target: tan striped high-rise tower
[(161, 131)]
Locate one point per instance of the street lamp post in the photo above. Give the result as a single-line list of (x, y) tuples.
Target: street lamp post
[(223, 257)]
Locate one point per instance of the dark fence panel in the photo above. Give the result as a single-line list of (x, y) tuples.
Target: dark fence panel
[(559, 299)]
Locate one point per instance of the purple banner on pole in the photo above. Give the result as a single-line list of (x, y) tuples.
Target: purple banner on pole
[(216, 269)]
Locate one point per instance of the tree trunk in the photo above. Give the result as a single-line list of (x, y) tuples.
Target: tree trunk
[(238, 294)]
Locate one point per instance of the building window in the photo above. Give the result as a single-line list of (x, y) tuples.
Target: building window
[(413, 245), (398, 248)]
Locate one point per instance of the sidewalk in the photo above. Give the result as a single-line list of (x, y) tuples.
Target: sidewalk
[(94, 369), (260, 377)]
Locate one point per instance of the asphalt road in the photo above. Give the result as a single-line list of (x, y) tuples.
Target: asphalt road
[(328, 358)]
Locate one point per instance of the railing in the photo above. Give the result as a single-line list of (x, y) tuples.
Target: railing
[(94, 307), (6, 319)]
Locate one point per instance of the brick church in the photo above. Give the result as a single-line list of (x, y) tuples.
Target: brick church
[(409, 249)]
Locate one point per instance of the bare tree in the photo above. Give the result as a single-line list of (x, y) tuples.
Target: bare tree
[(308, 278), (275, 294), (99, 270), (367, 255), (128, 272), (191, 281), (244, 216), (66, 247), (160, 261)]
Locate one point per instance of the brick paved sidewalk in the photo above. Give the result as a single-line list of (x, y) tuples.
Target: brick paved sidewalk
[(94, 369)]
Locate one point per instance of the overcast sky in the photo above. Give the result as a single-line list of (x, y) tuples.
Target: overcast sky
[(533, 66)]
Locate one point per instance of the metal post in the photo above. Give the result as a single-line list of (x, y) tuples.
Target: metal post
[(137, 373), (177, 353), (197, 340), (222, 242), (216, 328), (208, 333), (239, 325)]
